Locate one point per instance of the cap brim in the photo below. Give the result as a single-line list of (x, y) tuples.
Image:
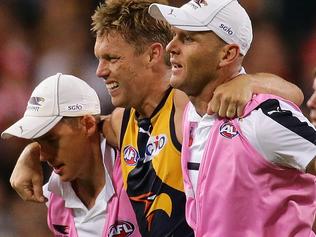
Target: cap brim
[(176, 17), (31, 127)]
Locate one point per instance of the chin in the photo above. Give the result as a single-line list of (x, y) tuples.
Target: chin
[(121, 103), (116, 103), (175, 84)]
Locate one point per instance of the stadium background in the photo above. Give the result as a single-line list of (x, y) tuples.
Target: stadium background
[(39, 38)]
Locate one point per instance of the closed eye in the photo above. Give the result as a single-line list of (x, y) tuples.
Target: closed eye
[(111, 58)]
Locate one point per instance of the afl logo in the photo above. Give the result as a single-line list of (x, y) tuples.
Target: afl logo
[(131, 155), (121, 229), (228, 130)]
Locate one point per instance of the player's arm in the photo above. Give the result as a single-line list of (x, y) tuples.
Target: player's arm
[(27, 175), (293, 144), (112, 127), (180, 101), (229, 99), (108, 131)]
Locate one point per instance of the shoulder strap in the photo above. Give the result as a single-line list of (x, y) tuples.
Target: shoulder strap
[(125, 120)]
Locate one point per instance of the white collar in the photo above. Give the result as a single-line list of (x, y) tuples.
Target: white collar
[(194, 117)]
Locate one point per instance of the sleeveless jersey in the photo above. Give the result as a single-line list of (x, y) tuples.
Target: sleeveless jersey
[(155, 185)]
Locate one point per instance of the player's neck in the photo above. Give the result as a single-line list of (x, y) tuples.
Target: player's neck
[(88, 190), (90, 185), (151, 101)]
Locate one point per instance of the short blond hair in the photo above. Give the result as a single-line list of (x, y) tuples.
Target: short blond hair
[(130, 18)]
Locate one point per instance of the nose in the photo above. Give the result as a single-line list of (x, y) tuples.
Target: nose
[(172, 47), (46, 154), (45, 157), (103, 69), (311, 103)]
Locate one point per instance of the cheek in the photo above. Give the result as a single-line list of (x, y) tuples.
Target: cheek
[(48, 152), (198, 66), (71, 146), (124, 74)]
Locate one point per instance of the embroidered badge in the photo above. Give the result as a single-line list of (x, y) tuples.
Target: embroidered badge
[(228, 130)]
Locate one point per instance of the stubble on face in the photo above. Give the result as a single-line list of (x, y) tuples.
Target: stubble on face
[(200, 63)]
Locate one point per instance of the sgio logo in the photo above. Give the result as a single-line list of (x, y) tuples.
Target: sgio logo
[(121, 229), (154, 145), (226, 29), (228, 130), (76, 107)]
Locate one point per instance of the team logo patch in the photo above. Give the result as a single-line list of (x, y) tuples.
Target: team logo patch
[(121, 229), (154, 145), (36, 101), (228, 130), (131, 155)]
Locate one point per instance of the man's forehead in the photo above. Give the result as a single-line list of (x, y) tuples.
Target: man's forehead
[(112, 44), (110, 35), (111, 40), (176, 30)]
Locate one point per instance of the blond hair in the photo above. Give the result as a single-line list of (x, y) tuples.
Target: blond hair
[(130, 18)]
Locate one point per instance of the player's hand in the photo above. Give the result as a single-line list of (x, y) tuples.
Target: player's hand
[(27, 175), (229, 99)]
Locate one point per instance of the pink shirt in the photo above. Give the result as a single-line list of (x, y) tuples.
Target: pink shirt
[(240, 194)]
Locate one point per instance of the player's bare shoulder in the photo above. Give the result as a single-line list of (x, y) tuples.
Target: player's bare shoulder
[(180, 102), (112, 126)]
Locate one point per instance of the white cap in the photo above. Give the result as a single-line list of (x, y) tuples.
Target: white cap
[(226, 18), (55, 97)]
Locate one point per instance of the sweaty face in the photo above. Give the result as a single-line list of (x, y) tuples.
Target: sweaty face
[(194, 58), (311, 103), (120, 67), (64, 149)]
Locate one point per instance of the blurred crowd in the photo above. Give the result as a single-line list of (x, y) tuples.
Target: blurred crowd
[(40, 38)]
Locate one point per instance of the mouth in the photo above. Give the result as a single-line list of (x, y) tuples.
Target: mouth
[(112, 85), (176, 65), (176, 69)]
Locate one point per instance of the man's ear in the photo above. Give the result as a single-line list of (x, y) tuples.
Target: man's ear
[(230, 53), (156, 53), (89, 124)]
